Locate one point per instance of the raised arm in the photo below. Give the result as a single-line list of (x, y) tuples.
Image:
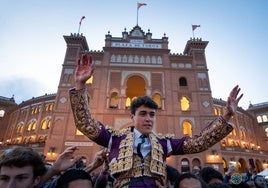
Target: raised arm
[(64, 161), (217, 130), (79, 100)]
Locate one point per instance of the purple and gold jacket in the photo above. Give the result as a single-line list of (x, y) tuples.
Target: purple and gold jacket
[(124, 164)]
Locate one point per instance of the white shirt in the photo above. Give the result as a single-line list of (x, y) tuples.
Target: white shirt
[(145, 147)]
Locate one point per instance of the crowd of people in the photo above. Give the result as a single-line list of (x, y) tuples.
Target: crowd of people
[(133, 157), (22, 167)]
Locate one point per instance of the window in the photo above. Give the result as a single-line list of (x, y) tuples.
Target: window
[(128, 102), (259, 119), (157, 99), (35, 110), (46, 123), (183, 81), (187, 128), (142, 59), (113, 58), (159, 60), (266, 129), (79, 133), (2, 113), (130, 59), (118, 58), (31, 126), (49, 107), (264, 117), (185, 104), (124, 59), (90, 80), (136, 59), (114, 100), (185, 166), (19, 128), (217, 111)]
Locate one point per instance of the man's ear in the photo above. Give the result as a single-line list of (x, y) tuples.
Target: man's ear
[(37, 180), (131, 116)]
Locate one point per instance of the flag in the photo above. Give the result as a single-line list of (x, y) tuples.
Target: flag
[(195, 26), (83, 17), (140, 4)]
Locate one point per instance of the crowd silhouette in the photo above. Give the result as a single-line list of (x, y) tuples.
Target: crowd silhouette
[(22, 167)]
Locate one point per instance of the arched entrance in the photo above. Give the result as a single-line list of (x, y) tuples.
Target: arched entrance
[(196, 166), (135, 86), (185, 166)]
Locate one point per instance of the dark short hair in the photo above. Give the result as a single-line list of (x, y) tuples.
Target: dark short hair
[(72, 175), (208, 173), (142, 101), (188, 176), (21, 157), (172, 173)]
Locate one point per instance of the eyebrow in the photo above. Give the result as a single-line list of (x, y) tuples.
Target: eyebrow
[(24, 174), (17, 175), (147, 112)]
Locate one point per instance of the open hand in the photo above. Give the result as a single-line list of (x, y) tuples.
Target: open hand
[(84, 71), (232, 103), (66, 159)]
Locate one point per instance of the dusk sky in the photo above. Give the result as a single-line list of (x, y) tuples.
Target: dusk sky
[(32, 47)]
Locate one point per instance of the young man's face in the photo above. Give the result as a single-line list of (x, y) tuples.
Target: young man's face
[(190, 183), (144, 119), (80, 183), (15, 177)]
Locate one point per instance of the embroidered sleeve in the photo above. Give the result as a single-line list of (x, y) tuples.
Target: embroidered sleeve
[(82, 117), (212, 134)]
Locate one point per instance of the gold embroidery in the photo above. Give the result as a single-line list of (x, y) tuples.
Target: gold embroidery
[(117, 132), (212, 134), (82, 117), (125, 154), (129, 164)]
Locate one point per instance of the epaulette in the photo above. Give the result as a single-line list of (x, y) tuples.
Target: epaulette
[(165, 136), (117, 132), (169, 136)]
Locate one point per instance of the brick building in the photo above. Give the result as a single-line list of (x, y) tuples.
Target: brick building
[(132, 65)]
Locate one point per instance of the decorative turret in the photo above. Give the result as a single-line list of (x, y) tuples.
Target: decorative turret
[(77, 40), (194, 44)]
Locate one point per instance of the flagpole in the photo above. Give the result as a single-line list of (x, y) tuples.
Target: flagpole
[(83, 17), (137, 14), (79, 27), (193, 31), (194, 27)]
